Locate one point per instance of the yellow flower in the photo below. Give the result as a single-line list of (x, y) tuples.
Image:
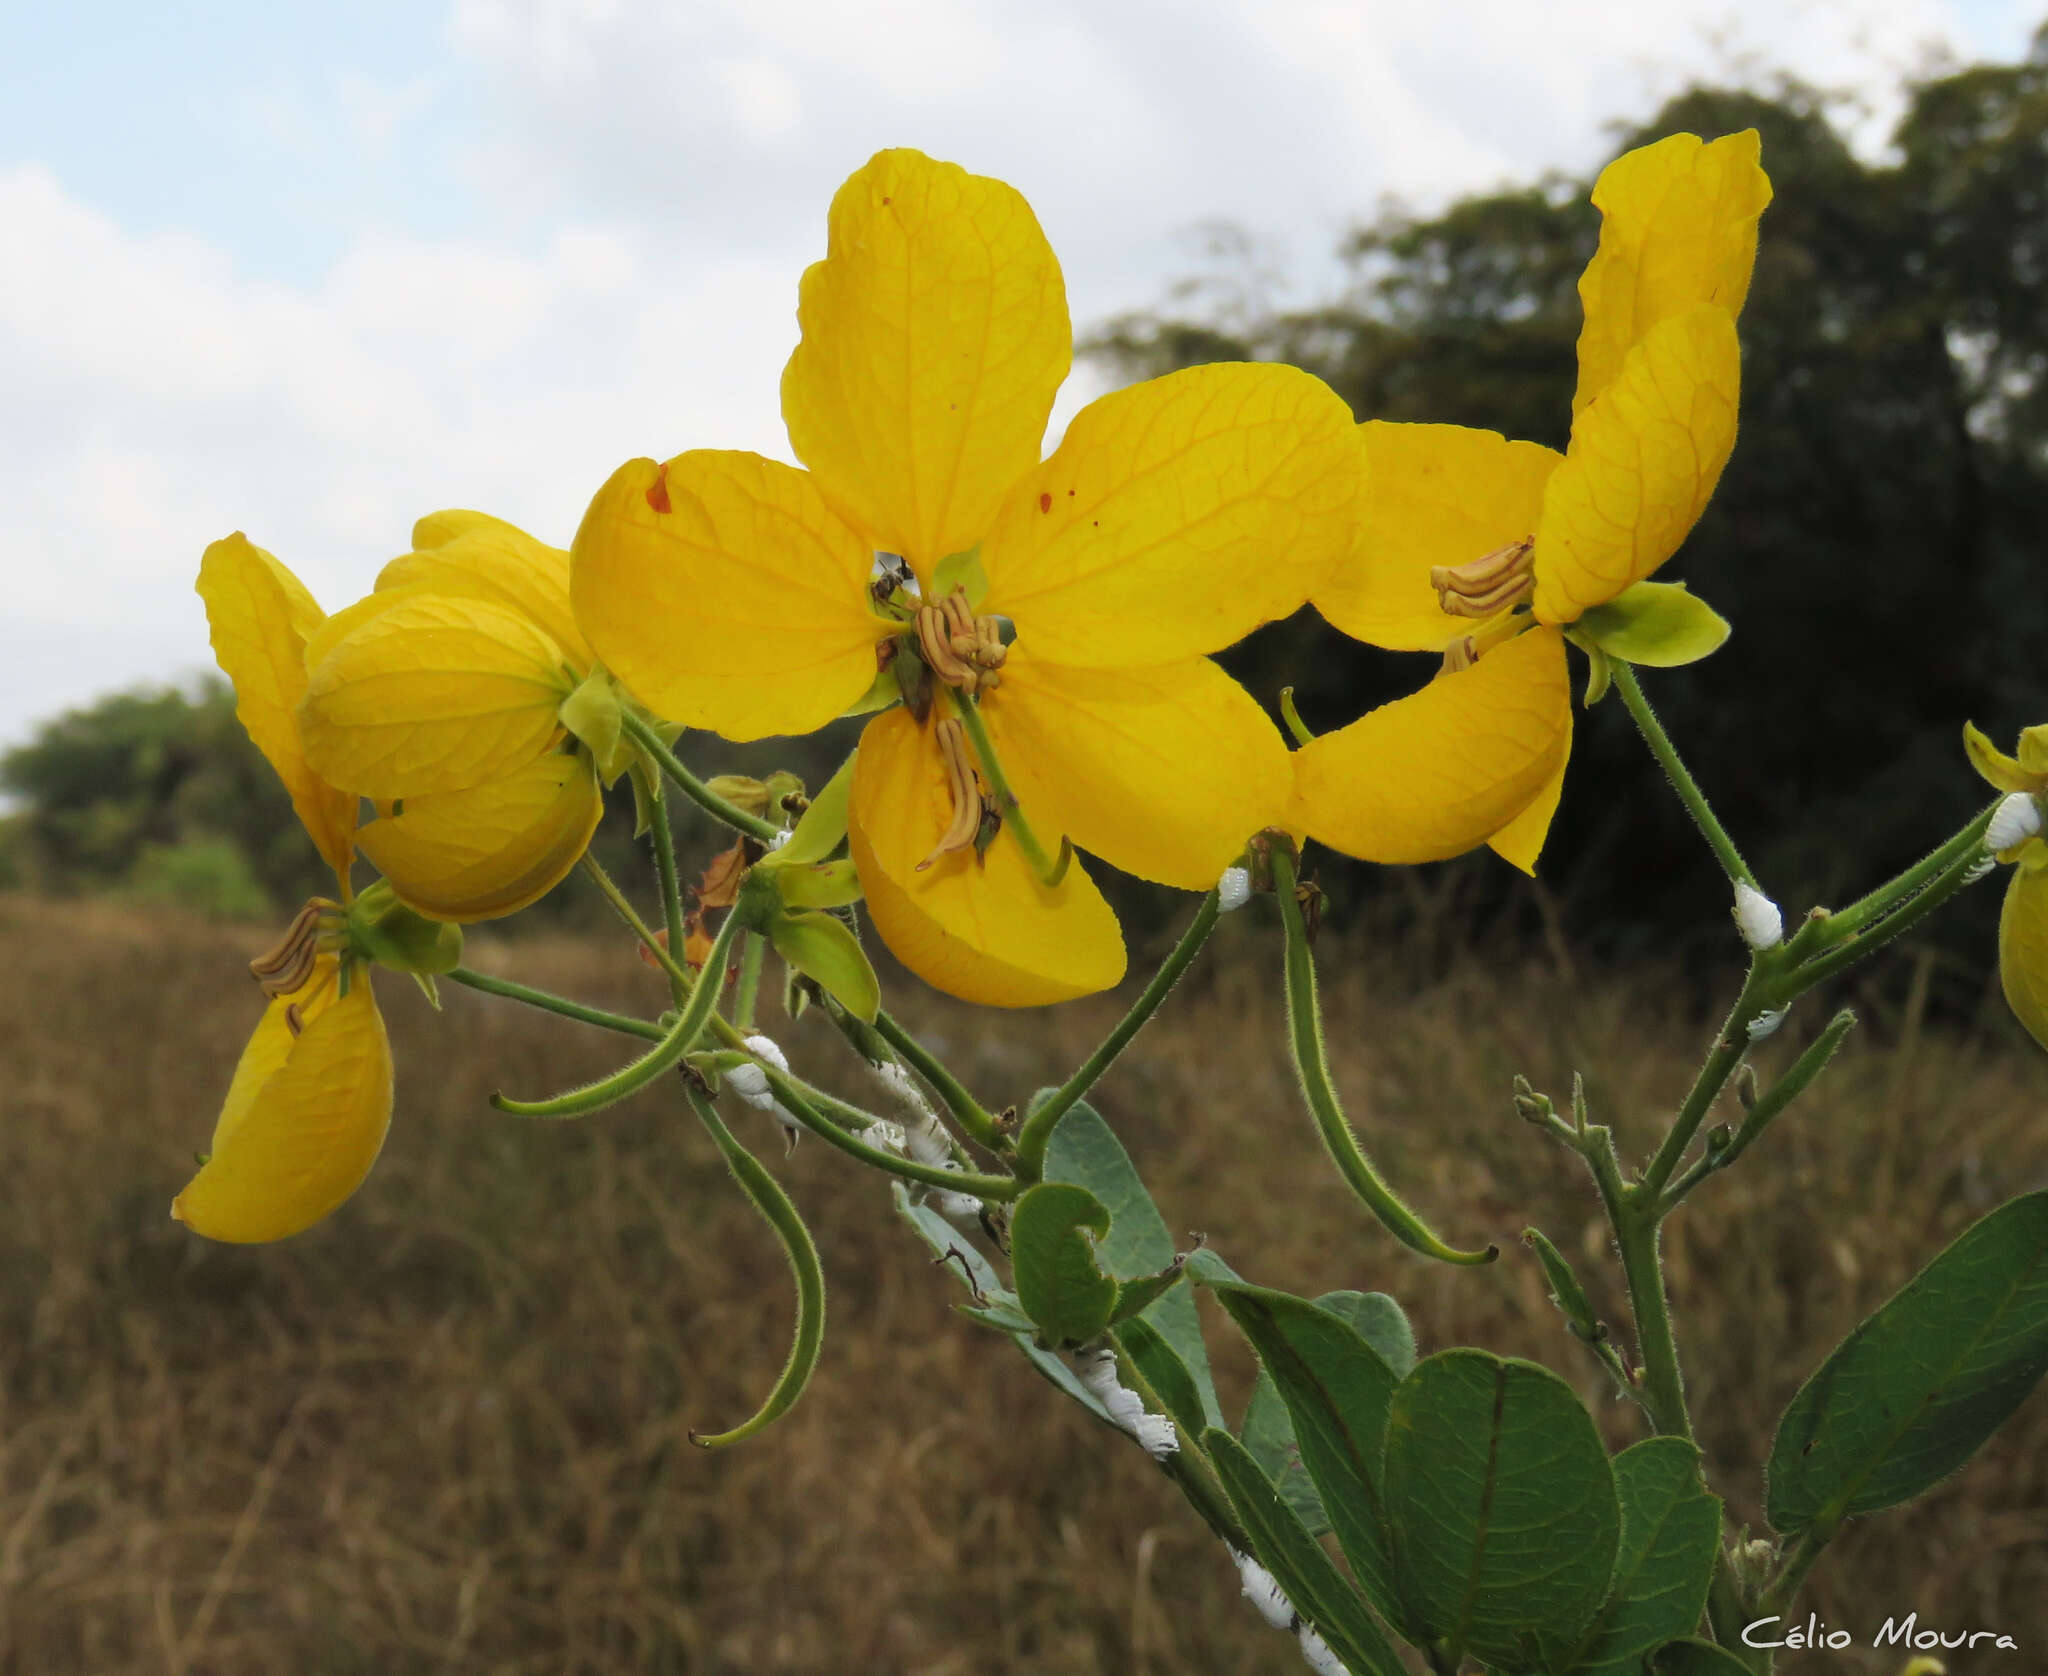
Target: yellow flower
[(1483, 550), (438, 697), (1064, 607), (306, 1112), (2023, 920)]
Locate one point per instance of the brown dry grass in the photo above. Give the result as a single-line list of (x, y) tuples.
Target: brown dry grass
[(447, 1430)]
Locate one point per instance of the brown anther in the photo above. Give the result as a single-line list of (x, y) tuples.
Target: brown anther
[(960, 648), (1504, 577), (286, 967), (965, 786)]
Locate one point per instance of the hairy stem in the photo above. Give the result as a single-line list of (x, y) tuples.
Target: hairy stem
[(1624, 677), (510, 991)]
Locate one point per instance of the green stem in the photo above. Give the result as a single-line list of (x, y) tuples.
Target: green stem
[(693, 788), (1320, 1090), (1050, 869), (1781, 1094), (781, 1215), (1893, 893), (744, 997), (670, 961), (1729, 1046), (1792, 1569), (1624, 677), (1663, 1384), (1036, 1134), (511, 991), (794, 1101), (966, 1111), (1886, 930), (671, 889), (630, 1079)]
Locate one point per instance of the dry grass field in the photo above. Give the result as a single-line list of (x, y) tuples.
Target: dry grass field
[(447, 1430)]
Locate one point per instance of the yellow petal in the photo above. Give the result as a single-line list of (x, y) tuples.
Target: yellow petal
[(293, 1143), (1440, 495), (742, 608), (1163, 772), (2004, 772), (2023, 941), (1521, 840), (1434, 774), (1178, 515), (493, 849), (935, 334), (1642, 464), (260, 617), (982, 928), (481, 557), (432, 693), (1677, 229)]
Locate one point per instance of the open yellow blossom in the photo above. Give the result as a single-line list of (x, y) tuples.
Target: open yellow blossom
[(2023, 920), (1048, 629), (1483, 551), (438, 697), (306, 1113)]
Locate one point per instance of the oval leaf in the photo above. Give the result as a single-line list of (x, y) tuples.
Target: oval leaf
[(1915, 1390), (1658, 624), (1670, 1534), (1501, 1506)]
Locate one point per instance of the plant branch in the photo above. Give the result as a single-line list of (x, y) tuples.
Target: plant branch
[(510, 991), (693, 788), (1623, 675)]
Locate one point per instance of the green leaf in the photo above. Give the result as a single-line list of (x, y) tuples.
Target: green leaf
[(1164, 1371), (1501, 1507), (1085, 1149), (821, 946), (953, 1251), (1915, 1390), (1054, 1235), (1694, 1657), (1670, 1535), (1337, 1390), (822, 826), (1565, 1290), (1657, 624), (1268, 1432), (1311, 1581)]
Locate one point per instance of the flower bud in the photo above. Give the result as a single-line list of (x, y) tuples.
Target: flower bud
[(1233, 890), (2017, 819), (1757, 917)]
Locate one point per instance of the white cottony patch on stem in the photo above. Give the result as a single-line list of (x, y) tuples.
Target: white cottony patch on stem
[(2016, 820), (1260, 1589), (1233, 890), (1766, 1023), (1757, 917), (750, 1083), (1979, 868), (774, 841), (1317, 1652), (1097, 1369)]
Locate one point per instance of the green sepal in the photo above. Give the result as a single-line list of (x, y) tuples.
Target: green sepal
[(823, 884), (646, 785), (960, 570), (385, 930), (821, 946), (430, 989), (1565, 1290), (883, 691), (1599, 674), (822, 827), (1917, 1388), (595, 714), (1060, 1284), (1658, 624)]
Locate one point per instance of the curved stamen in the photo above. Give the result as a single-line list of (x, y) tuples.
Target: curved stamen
[(1499, 579)]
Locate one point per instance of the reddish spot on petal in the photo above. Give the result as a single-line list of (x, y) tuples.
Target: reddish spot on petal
[(1070, 494), (1045, 503), (657, 491)]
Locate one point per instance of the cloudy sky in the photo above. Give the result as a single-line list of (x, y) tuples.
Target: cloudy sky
[(310, 271)]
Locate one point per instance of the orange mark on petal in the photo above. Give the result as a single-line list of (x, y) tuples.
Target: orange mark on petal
[(657, 491), (1045, 502)]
